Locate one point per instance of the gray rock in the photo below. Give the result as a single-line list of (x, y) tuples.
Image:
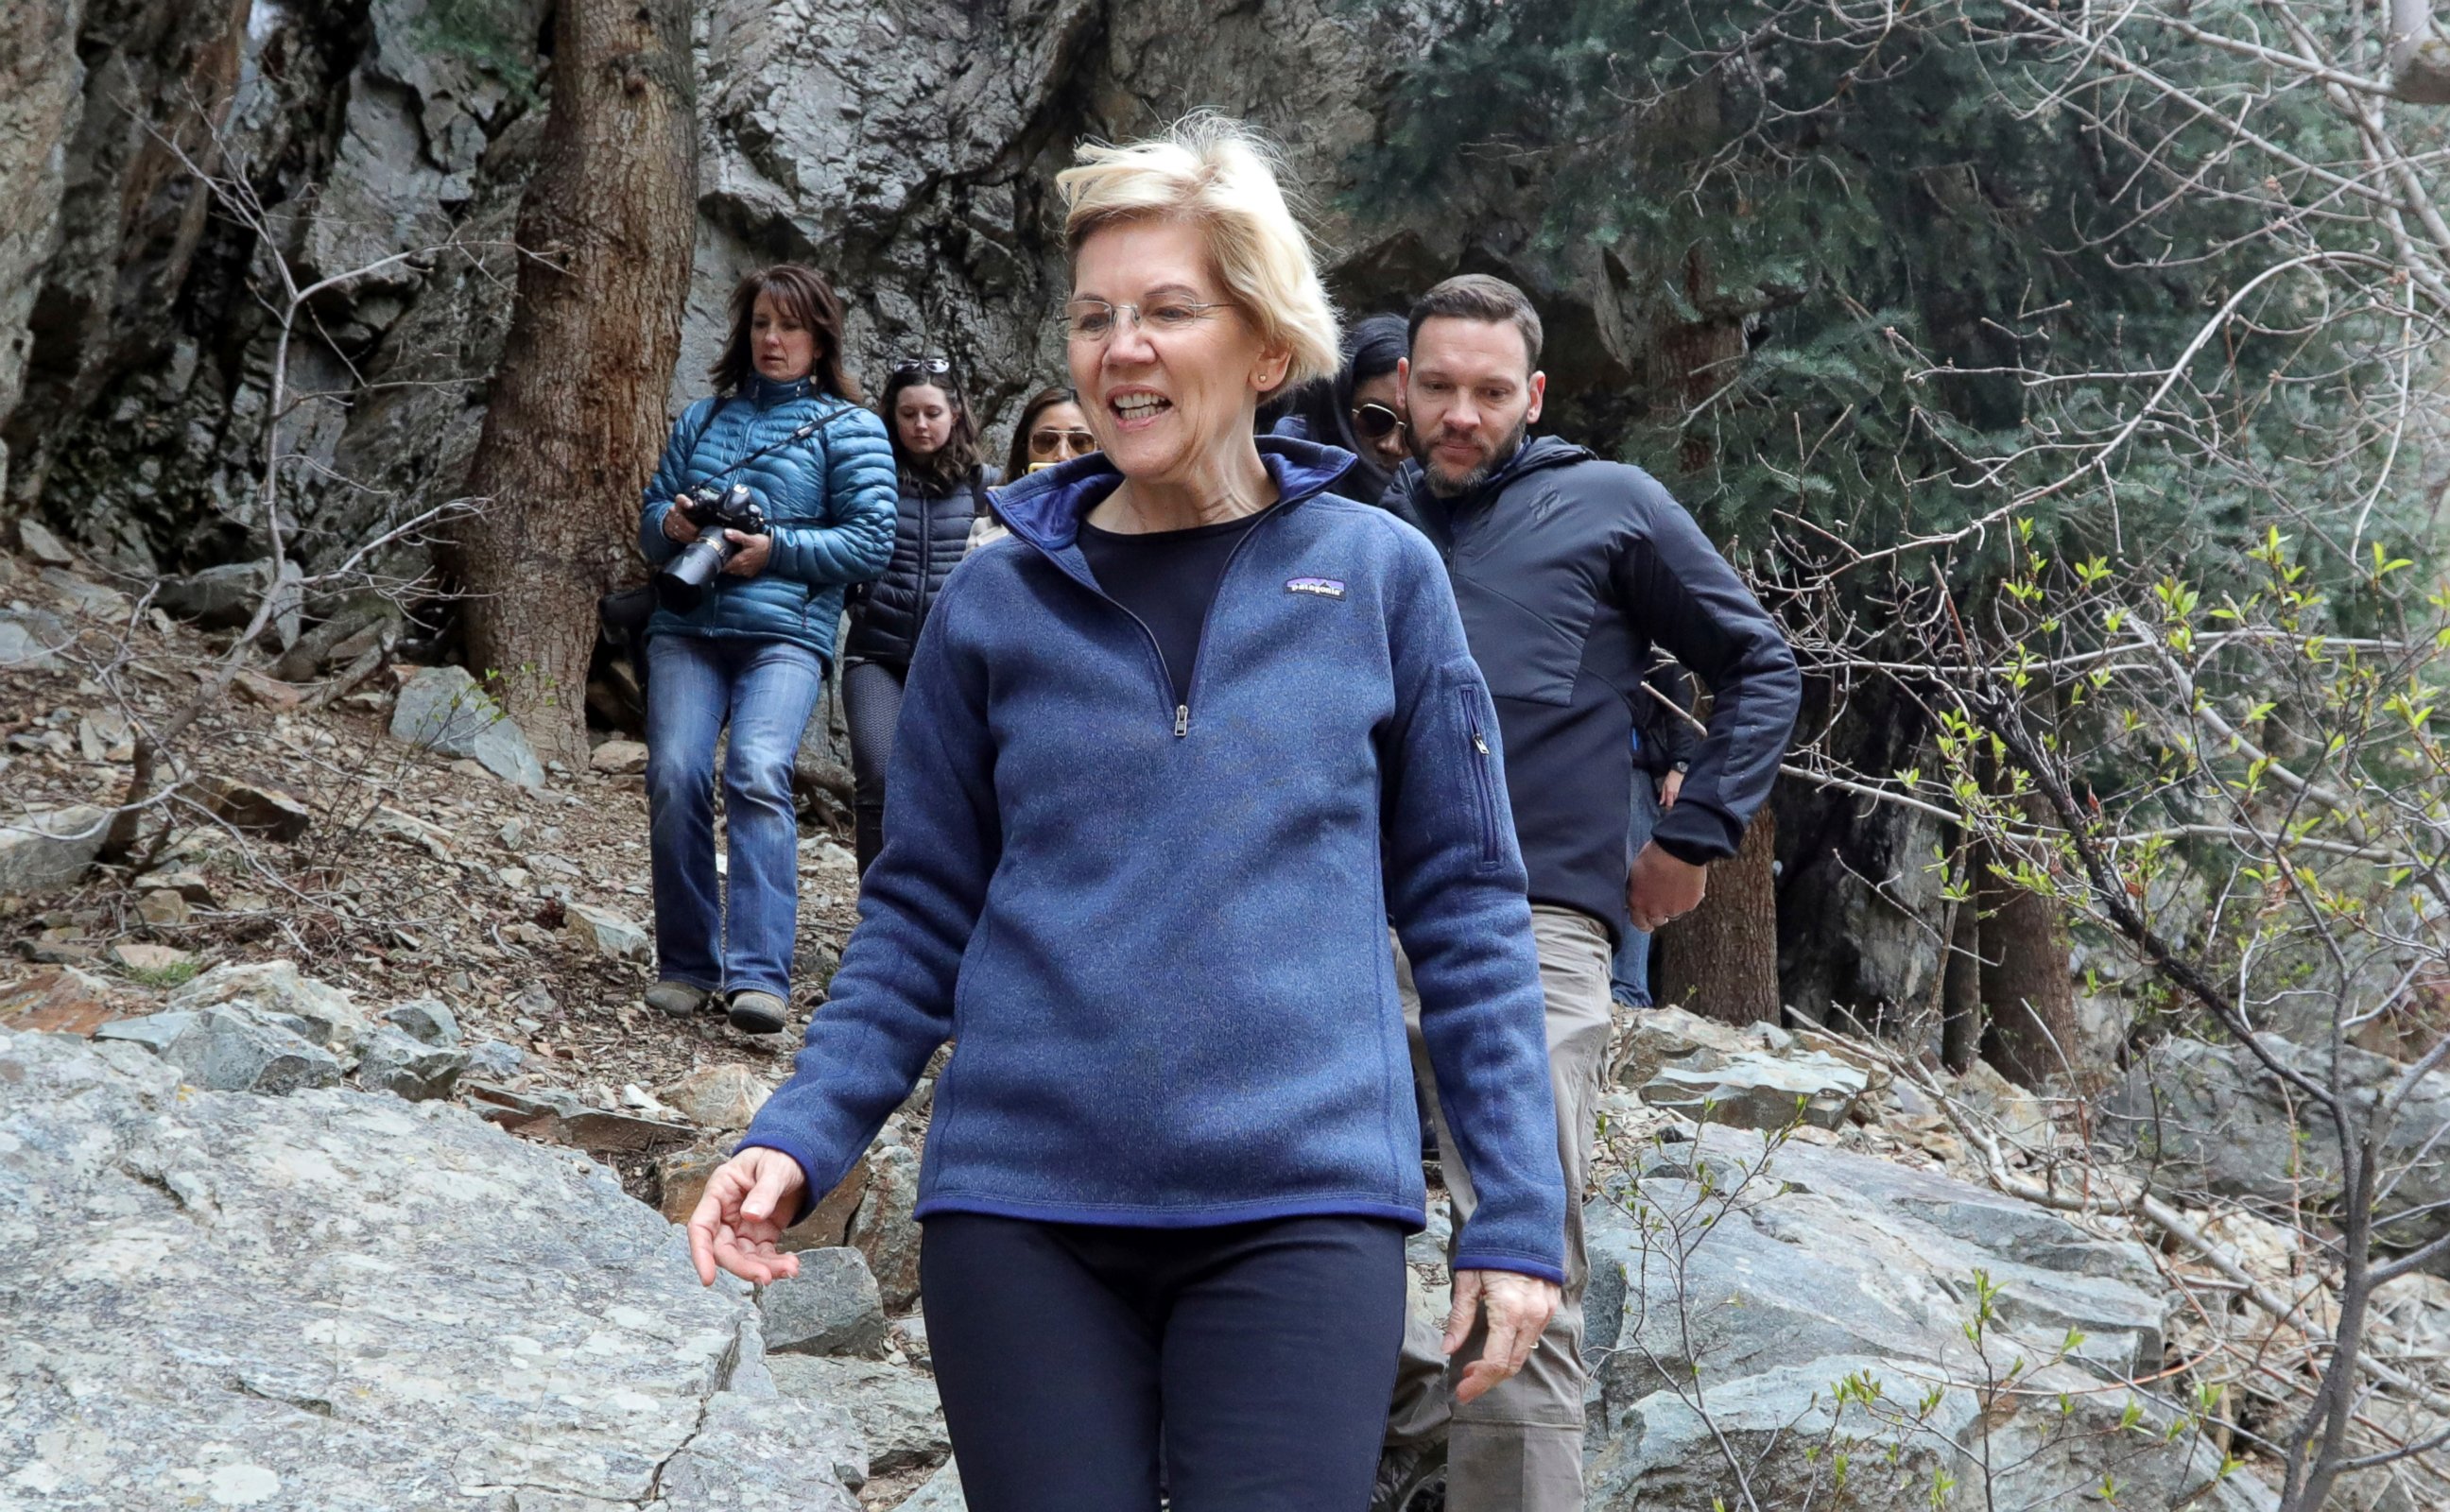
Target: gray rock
[(40, 544), (226, 598), (606, 931), (831, 1307), (943, 1492), (359, 1304), (2216, 1118), (254, 808), (50, 849), (393, 1062), (429, 1020), (29, 639), (441, 709), (885, 1228), (896, 1410), (275, 990), (1832, 1265), (494, 1059), (721, 1096), (233, 1050), (1759, 1088)]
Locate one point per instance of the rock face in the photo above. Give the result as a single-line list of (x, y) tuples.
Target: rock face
[(349, 1304), (1826, 1268), (2218, 1119), (44, 850)]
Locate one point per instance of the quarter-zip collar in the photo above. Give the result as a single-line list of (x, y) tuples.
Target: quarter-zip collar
[(765, 393), (1410, 498), (1046, 508)]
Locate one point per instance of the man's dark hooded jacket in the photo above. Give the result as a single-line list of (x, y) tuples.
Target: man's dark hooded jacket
[(1568, 571)]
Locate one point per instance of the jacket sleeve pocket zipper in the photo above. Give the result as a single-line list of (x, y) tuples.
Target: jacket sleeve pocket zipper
[(1484, 785)]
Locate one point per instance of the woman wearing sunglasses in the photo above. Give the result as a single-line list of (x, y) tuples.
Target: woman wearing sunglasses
[(943, 490), (1052, 429), (1360, 409), (1173, 753)]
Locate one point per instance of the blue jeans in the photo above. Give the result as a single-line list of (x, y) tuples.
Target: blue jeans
[(767, 691), (1629, 973)]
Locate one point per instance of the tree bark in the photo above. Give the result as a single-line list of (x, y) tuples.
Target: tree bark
[(2027, 992), (1720, 961), (577, 417), (1961, 991)]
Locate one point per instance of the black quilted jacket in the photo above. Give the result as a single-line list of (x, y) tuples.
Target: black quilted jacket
[(929, 532)]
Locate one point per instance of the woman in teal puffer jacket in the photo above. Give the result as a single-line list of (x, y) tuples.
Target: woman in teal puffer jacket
[(755, 651)]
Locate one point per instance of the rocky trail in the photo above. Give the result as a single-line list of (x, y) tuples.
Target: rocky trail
[(340, 1160)]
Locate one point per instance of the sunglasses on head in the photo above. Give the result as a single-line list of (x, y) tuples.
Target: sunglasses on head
[(1046, 439), (1376, 422), (933, 366)]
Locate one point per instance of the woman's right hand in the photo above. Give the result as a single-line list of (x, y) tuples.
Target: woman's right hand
[(747, 1201), (677, 526)]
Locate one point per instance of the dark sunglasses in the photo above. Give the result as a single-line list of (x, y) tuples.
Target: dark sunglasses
[(933, 366), (1047, 439), (1376, 422)]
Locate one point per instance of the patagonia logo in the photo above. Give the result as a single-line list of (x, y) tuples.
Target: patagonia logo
[(1323, 586)]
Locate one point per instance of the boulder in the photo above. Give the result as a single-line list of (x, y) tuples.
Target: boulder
[(30, 640), (896, 1410), (39, 543), (230, 1050), (140, 959), (51, 848), (226, 598), (942, 1493), (57, 999), (831, 1307), (1650, 1038), (105, 735), (1758, 1090), (428, 1020), (163, 907), (725, 1096), (273, 990), (607, 932), (1818, 1267), (186, 881), (337, 1300), (494, 1059), (393, 1061), (441, 709), (618, 757), (886, 1230)]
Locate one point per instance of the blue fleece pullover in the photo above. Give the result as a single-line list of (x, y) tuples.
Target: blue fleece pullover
[(829, 499), (1157, 934)]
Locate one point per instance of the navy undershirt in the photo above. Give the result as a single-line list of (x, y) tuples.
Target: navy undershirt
[(1169, 579)]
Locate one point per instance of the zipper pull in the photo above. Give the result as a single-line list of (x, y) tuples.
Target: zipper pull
[(1181, 720), (1480, 742)]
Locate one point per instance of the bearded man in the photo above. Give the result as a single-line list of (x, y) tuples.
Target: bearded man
[(1569, 571)]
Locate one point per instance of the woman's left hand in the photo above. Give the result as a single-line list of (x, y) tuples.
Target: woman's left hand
[(1519, 1308), (750, 559)]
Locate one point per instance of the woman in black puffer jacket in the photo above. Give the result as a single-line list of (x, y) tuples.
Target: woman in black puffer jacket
[(944, 489)]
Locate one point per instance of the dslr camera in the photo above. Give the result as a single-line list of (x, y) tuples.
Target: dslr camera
[(685, 580)]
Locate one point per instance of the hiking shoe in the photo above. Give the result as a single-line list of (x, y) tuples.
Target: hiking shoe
[(759, 1013), (677, 998), (1411, 1479)]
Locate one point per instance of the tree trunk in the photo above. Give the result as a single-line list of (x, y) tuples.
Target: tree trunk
[(577, 414), (1720, 961), (2027, 992)]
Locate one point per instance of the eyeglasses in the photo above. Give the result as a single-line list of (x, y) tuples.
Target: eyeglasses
[(1094, 321), (1046, 440), (933, 366), (1375, 422)]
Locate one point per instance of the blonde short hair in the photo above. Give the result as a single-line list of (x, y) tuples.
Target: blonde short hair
[(1221, 176)]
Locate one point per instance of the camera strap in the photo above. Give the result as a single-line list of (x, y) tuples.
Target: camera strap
[(798, 433)]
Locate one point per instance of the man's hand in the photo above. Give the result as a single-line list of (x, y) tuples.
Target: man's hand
[(1662, 887), (678, 526), (750, 559), (747, 1200), (1519, 1306), (1668, 789)]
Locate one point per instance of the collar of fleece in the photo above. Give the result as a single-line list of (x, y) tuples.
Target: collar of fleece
[(1045, 508)]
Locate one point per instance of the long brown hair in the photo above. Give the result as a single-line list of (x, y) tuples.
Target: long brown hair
[(1039, 403), (950, 465), (809, 300)]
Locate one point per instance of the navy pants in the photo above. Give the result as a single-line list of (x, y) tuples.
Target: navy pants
[(1254, 1359)]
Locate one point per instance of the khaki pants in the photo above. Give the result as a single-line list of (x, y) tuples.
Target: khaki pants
[(1519, 1448)]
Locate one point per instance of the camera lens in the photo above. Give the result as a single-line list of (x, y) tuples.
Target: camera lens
[(683, 586)]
